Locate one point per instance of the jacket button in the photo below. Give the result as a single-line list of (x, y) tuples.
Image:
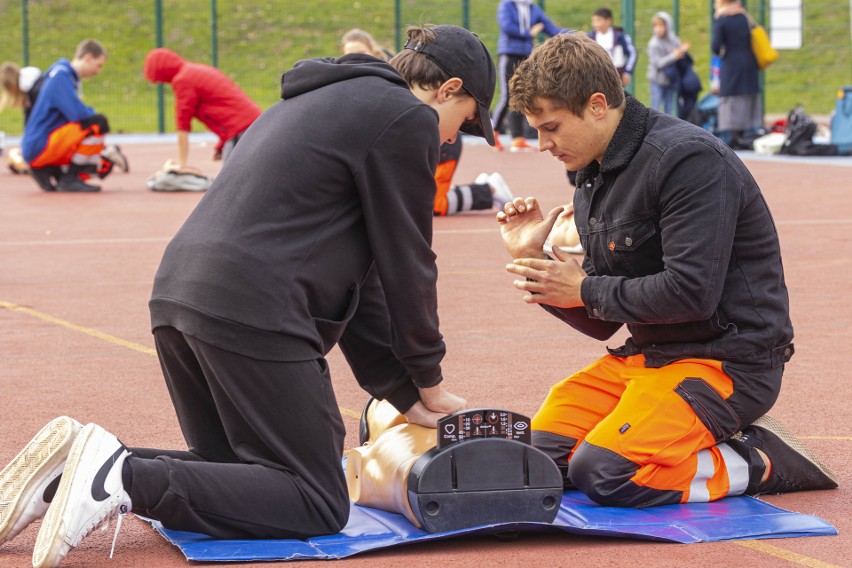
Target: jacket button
[(588, 184), (596, 312), (787, 352), (628, 241), (593, 221)]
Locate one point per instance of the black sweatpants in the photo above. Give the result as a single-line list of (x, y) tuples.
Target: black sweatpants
[(265, 441)]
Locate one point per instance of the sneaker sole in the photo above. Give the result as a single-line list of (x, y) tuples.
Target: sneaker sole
[(50, 546), (768, 423), (20, 478)]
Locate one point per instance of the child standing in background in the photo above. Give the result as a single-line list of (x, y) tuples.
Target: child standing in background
[(664, 48)]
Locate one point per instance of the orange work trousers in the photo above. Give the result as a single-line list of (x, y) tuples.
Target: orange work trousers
[(71, 143), (646, 436), (443, 182)]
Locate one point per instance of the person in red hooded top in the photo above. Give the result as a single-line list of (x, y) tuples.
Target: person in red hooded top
[(205, 93)]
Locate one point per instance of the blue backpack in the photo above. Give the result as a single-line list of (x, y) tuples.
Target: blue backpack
[(841, 122)]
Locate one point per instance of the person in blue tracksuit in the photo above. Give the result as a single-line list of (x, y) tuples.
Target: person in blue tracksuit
[(520, 21)]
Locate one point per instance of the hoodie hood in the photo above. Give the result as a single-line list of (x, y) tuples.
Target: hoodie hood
[(311, 74), (161, 65), (670, 35)]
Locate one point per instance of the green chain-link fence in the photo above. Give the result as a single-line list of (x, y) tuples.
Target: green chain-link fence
[(254, 42)]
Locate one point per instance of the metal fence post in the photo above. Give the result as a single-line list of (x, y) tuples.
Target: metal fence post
[(214, 40), (676, 16), (628, 18), (466, 14), (397, 22), (25, 30), (161, 105)]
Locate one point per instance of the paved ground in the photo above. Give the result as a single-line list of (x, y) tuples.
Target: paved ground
[(76, 273)]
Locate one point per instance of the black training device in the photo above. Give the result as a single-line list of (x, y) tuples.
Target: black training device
[(483, 471)]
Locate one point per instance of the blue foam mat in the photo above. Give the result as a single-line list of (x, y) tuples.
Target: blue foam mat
[(735, 518)]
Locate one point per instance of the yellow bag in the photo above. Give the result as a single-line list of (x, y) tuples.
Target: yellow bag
[(764, 53)]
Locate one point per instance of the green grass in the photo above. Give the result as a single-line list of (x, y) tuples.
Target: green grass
[(257, 41)]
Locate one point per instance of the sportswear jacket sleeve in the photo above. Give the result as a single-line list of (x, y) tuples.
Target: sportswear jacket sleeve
[(397, 188), (507, 19), (64, 97), (550, 29), (629, 51)]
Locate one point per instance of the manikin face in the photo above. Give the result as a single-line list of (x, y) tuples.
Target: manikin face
[(600, 24), (575, 141)]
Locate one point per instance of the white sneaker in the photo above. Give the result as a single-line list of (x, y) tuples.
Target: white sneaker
[(502, 194), (113, 153), (91, 494), (481, 179), (28, 483)]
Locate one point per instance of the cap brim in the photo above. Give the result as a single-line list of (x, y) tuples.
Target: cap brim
[(482, 127)]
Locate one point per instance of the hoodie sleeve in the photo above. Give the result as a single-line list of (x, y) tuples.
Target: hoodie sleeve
[(397, 187), (186, 101)]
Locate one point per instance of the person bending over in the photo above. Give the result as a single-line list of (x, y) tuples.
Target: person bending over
[(308, 238), (204, 93)]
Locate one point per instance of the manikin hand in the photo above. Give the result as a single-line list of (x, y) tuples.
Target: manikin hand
[(554, 282), (523, 227), (434, 404)]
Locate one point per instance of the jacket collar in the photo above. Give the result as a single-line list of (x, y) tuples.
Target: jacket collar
[(624, 144)]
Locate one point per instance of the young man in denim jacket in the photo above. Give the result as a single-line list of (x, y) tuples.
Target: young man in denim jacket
[(681, 248)]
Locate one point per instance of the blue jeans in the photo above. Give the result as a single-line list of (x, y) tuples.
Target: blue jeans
[(662, 94)]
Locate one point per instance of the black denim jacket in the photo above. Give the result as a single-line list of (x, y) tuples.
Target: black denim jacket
[(681, 247)]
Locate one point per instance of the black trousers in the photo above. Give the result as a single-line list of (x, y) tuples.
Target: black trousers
[(265, 441)]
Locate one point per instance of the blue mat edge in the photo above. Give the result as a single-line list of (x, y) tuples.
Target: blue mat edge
[(777, 523)]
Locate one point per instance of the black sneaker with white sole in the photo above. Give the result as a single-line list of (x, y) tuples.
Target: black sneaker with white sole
[(72, 183), (90, 495), (794, 467), (46, 177), (28, 483)]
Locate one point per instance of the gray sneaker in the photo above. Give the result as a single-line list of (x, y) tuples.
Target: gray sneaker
[(113, 153), (29, 482), (794, 467)]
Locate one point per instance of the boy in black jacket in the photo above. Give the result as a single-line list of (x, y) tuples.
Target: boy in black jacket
[(318, 232)]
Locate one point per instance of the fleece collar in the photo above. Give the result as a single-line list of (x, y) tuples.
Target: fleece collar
[(625, 142)]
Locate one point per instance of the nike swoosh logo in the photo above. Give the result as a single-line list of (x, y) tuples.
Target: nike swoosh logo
[(99, 492), (50, 490)]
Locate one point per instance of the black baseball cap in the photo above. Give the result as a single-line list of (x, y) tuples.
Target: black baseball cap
[(460, 53)]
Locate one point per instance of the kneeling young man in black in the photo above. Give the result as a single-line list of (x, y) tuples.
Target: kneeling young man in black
[(317, 232)]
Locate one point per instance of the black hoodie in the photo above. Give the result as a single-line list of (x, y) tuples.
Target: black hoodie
[(319, 230)]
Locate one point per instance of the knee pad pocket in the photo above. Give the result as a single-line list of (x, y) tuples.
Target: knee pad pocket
[(710, 408)]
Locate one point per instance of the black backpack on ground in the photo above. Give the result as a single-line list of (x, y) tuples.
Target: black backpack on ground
[(800, 132)]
